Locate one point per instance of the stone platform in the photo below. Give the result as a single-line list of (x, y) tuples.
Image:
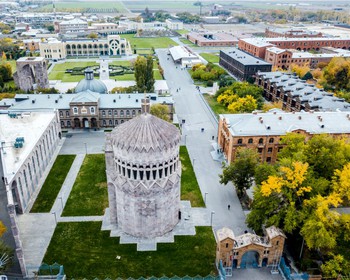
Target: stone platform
[(190, 218)]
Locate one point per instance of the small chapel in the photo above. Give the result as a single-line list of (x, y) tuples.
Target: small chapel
[(144, 174)]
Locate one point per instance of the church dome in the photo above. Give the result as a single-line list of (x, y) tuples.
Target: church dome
[(144, 134), (89, 83)]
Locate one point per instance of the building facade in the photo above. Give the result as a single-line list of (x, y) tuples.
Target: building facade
[(263, 131), (258, 46), (31, 72), (144, 174), (242, 65), (297, 95), (71, 26), (113, 46), (212, 39), (291, 33), (249, 250)]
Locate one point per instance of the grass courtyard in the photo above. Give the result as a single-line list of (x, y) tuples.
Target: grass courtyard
[(210, 57), (87, 252), (216, 106), (53, 184), (148, 43), (89, 194)]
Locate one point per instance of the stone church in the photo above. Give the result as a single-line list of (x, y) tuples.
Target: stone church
[(144, 175)]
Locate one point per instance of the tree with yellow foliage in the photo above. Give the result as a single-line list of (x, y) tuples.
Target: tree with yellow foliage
[(337, 73), (2, 228), (300, 70)]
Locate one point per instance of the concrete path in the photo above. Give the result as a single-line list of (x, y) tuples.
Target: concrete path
[(190, 106), (37, 228)]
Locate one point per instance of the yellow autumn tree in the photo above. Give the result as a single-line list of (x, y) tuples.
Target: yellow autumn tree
[(274, 105), (2, 229), (243, 105), (300, 70)]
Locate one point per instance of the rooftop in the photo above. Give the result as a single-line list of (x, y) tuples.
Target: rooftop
[(244, 57), (224, 233), (180, 52), (26, 59), (28, 125), (280, 123)]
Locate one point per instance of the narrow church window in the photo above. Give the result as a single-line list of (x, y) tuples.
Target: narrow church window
[(148, 174)]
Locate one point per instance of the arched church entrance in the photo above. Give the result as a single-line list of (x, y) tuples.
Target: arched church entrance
[(93, 123), (250, 259), (76, 123), (86, 123)]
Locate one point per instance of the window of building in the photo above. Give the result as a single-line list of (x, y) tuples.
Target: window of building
[(67, 113), (109, 112), (103, 113), (260, 150), (68, 123), (268, 159), (121, 113), (239, 141), (226, 245), (269, 150), (271, 140), (110, 122), (104, 123), (115, 113), (61, 114), (250, 140), (62, 123), (75, 110), (92, 110), (127, 113), (261, 141)]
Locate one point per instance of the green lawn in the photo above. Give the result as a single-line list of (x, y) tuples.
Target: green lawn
[(126, 63), (89, 194), (187, 42), (53, 184), (157, 75), (183, 31), (87, 252), (189, 185), (148, 43), (215, 106), (58, 72), (210, 57), (70, 65)]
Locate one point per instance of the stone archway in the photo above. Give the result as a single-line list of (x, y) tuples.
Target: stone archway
[(86, 123), (76, 123), (250, 259)]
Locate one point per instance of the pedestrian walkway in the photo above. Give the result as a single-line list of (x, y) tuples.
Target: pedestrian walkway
[(36, 229), (104, 70)]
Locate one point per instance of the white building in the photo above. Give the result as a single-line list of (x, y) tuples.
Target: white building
[(113, 46), (184, 56), (28, 142), (174, 24), (72, 26)]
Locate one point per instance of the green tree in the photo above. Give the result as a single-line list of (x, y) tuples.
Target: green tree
[(161, 111), (294, 145), (241, 171), (92, 35), (335, 266), (144, 74), (263, 171)]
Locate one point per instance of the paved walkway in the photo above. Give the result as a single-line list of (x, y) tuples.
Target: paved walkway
[(37, 228), (104, 71), (191, 107)]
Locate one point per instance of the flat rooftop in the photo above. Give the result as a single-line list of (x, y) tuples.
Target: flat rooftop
[(26, 59), (28, 125), (244, 57), (280, 123)]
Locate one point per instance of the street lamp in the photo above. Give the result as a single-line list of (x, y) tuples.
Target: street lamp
[(85, 148), (211, 218), (54, 213), (60, 197), (205, 198)]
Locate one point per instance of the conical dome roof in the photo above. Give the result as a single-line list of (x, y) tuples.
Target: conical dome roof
[(89, 83), (145, 133)]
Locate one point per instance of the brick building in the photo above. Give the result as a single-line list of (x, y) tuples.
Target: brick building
[(242, 65), (249, 250), (258, 46), (206, 39), (296, 94), (291, 33), (262, 131)]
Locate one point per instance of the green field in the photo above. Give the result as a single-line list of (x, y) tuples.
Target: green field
[(187, 42), (58, 72), (148, 43), (183, 31), (53, 184), (84, 6), (210, 57), (89, 194), (87, 252), (189, 186)]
